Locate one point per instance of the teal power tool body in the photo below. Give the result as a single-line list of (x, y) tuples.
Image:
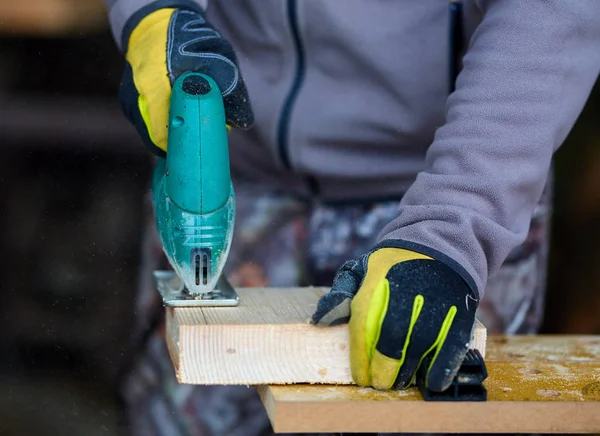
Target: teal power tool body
[(194, 201)]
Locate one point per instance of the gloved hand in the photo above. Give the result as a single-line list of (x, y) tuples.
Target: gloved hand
[(163, 45), (405, 310)]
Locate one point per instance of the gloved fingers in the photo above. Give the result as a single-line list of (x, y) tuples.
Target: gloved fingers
[(447, 358), (129, 100), (368, 312), (424, 339), (147, 91), (196, 46), (400, 343), (333, 308)]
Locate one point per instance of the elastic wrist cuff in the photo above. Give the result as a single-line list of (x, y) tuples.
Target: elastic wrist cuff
[(437, 255)]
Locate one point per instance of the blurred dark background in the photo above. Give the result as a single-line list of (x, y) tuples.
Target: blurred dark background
[(72, 177)]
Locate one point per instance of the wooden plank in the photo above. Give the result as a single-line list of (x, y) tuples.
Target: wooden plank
[(536, 384), (266, 339)]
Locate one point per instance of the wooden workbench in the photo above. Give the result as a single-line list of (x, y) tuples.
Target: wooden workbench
[(536, 384)]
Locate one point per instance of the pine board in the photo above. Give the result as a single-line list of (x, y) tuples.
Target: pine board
[(267, 339)]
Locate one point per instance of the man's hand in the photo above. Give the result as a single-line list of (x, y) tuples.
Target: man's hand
[(163, 45), (406, 311)]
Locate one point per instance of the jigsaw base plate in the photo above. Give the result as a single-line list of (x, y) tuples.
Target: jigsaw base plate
[(175, 294)]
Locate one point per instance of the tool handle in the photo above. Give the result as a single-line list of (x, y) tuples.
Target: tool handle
[(197, 165)]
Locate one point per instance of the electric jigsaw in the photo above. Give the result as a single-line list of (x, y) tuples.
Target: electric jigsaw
[(193, 196)]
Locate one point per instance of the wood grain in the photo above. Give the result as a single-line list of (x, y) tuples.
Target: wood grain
[(266, 339), (536, 384)]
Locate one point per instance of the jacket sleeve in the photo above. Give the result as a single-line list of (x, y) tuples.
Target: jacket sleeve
[(124, 14), (527, 73)]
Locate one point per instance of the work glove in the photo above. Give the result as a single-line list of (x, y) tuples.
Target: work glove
[(407, 312), (162, 46)]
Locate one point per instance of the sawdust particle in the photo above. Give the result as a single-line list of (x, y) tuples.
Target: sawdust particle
[(506, 389), (530, 371), (230, 351), (580, 358), (547, 393), (515, 355), (322, 372), (343, 347), (560, 369)]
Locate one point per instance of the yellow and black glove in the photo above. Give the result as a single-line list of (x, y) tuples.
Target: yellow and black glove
[(407, 312), (162, 44)]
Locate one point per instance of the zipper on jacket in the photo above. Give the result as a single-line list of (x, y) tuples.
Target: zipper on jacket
[(284, 121), (456, 42)]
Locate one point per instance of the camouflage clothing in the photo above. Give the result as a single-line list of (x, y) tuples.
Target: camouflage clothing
[(281, 241)]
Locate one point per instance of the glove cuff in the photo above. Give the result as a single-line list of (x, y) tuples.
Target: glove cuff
[(435, 254), (143, 12)]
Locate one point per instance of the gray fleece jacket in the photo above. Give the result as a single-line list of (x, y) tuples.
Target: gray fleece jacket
[(351, 102)]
